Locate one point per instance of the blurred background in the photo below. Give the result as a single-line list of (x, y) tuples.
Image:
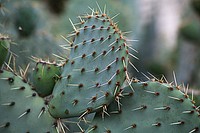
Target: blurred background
[(166, 33)]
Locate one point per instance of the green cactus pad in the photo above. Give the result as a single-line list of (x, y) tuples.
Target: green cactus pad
[(95, 70), (4, 48), (153, 108), (45, 76), (196, 6), (191, 30), (25, 20), (21, 109)]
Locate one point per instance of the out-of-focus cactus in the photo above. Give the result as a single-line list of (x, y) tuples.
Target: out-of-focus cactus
[(4, 48), (25, 20), (56, 7), (196, 6)]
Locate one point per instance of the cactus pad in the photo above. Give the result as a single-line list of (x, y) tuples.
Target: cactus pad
[(154, 107), (45, 76), (21, 109), (95, 70)]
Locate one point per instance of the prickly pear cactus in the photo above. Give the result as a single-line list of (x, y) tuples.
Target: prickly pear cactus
[(45, 75), (196, 6), (21, 109), (153, 107), (25, 20), (191, 30), (4, 48), (95, 70)]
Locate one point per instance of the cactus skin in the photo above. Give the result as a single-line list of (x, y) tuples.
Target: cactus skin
[(21, 109), (57, 7), (4, 48), (44, 77), (191, 30), (25, 20), (154, 107), (196, 6), (95, 70)]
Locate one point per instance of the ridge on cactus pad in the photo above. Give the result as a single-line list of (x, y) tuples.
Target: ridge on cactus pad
[(95, 70), (4, 48), (154, 107), (44, 77), (21, 109)]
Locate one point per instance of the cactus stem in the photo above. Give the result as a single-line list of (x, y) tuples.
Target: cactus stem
[(177, 123), (23, 114)]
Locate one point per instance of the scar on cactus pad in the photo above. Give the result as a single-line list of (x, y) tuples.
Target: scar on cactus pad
[(4, 48), (44, 77), (153, 107), (95, 70)]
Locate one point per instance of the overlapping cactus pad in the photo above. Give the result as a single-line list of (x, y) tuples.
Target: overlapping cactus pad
[(4, 48), (45, 76), (95, 70), (22, 111), (154, 107)]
